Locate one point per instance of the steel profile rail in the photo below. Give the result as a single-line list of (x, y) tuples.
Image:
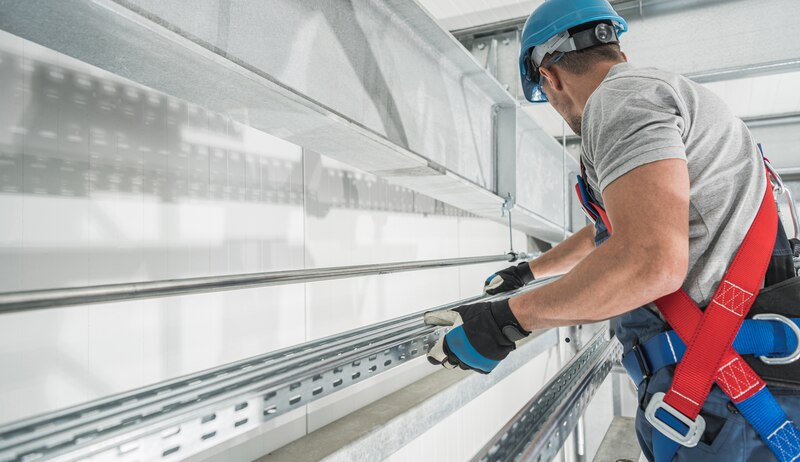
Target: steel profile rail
[(11, 302), (539, 429), (186, 415)]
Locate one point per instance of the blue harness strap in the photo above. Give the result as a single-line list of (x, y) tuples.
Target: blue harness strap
[(761, 410), (771, 423), (759, 338)]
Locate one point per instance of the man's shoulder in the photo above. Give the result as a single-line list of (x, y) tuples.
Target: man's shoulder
[(634, 81), (628, 87), (653, 73)]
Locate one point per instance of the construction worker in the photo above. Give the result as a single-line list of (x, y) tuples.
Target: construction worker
[(684, 210)]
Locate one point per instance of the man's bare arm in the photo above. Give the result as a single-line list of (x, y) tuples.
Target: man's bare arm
[(645, 258), (563, 257)]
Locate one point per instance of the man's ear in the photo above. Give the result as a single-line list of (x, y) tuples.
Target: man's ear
[(624, 56), (551, 74)]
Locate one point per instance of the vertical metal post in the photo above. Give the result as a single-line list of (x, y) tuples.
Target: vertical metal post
[(580, 440), (505, 151), (563, 359), (579, 435), (580, 428), (491, 58), (616, 391)]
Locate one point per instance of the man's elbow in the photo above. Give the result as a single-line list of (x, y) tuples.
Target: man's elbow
[(667, 269)]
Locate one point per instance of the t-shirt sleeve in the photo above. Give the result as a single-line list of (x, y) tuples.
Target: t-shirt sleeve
[(632, 125)]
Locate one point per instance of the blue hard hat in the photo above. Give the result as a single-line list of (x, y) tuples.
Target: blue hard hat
[(548, 28)]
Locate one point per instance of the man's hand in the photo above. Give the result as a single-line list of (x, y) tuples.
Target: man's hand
[(509, 279), (483, 334)]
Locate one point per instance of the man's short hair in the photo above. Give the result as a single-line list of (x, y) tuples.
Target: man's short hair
[(580, 62)]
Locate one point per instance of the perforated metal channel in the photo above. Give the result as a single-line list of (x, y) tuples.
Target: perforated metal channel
[(538, 431), (241, 400)]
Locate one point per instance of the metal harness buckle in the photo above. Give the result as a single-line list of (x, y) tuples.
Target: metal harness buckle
[(695, 428), (783, 359)]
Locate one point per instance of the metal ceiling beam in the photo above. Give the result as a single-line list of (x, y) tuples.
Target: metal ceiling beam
[(759, 121), (771, 120), (377, 85), (745, 71), (790, 174), (764, 120)]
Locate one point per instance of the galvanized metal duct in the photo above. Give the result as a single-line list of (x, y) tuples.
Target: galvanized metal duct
[(378, 85)]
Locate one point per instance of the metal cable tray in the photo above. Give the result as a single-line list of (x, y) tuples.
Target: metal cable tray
[(182, 416), (538, 431)]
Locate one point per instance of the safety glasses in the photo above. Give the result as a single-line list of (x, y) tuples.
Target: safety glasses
[(532, 84)]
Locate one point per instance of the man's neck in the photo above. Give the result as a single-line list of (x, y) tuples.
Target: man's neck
[(588, 83)]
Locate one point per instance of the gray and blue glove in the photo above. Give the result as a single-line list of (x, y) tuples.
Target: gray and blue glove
[(483, 334), (511, 278)]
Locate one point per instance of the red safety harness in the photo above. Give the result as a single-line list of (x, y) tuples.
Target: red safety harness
[(709, 336)]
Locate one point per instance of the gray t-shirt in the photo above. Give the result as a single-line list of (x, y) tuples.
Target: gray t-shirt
[(637, 116)]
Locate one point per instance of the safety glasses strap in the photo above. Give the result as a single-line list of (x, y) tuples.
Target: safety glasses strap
[(560, 42)]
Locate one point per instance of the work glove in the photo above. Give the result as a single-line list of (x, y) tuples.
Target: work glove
[(508, 279), (483, 334)]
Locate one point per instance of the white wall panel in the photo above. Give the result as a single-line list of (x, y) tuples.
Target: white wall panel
[(354, 218), (44, 362), (482, 237)]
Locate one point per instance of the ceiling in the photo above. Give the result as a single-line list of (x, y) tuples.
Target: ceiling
[(749, 96), (460, 14)]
